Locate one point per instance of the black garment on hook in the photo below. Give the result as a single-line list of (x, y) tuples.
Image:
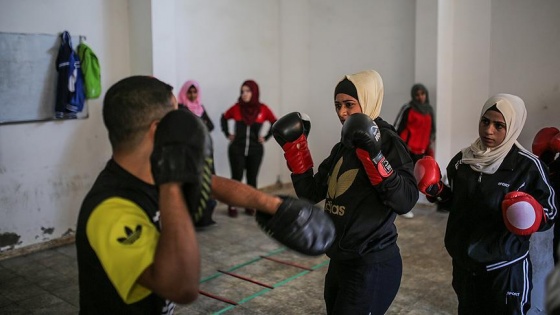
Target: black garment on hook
[(70, 94)]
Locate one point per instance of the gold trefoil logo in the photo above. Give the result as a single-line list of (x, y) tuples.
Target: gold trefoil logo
[(338, 185)]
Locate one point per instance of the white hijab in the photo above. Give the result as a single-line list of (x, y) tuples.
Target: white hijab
[(369, 86), (488, 160)]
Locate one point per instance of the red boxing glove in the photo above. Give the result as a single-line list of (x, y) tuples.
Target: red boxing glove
[(297, 155), (554, 143), (543, 141), (362, 133), (291, 131), (522, 214), (428, 176)]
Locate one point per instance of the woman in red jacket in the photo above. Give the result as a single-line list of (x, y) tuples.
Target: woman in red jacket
[(416, 124), (246, 149)]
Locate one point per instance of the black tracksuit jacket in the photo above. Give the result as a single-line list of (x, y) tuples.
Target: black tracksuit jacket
[(363, 214), (476, 236)]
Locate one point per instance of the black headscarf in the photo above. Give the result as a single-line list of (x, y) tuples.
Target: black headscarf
[(347, 87), (425, 108)]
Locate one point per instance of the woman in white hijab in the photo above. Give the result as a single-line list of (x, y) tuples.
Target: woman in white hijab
[(499, 195)]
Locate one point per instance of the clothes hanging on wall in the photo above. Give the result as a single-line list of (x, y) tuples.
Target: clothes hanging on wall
[(70, 93), (89, 64)]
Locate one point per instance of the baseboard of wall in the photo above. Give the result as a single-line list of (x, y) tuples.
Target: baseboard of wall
[(37, 247), (68, 239)]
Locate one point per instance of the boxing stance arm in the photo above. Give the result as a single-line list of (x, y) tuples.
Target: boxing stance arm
[(224, 125), (181, 149), (297, 224), (361, 133), (443, 198), (399, 192), (311, 186), (385, 160), (207, 121), (540, 196), (428, 179), (235, 193), (175, 271), (269, 116)]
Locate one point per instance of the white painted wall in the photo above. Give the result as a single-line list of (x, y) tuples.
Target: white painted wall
[(297, 51), (425, 60), (471, 55), (524, 59), (221, 44), (164, 46), (140, 34), (46, 168), (444, 79)]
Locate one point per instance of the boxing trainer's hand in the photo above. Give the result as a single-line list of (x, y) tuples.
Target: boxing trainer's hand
[(183, 154), (291, 131), (428, 176), (300, 226), (522, 214), (362, 133)]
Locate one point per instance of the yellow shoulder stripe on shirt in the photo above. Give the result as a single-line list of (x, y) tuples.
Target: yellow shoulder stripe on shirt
[(124, 239)]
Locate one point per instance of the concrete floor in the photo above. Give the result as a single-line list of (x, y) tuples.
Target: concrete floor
[(45, 282)]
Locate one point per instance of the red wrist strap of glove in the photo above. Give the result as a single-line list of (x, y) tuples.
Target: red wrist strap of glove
[(297, 155), (376, 172)]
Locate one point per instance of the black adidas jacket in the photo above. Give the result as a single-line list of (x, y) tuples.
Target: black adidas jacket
[(364, 215), (476, 236)]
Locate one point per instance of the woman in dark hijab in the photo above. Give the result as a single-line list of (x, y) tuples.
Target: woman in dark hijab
[(246, 143), (416, 124)]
